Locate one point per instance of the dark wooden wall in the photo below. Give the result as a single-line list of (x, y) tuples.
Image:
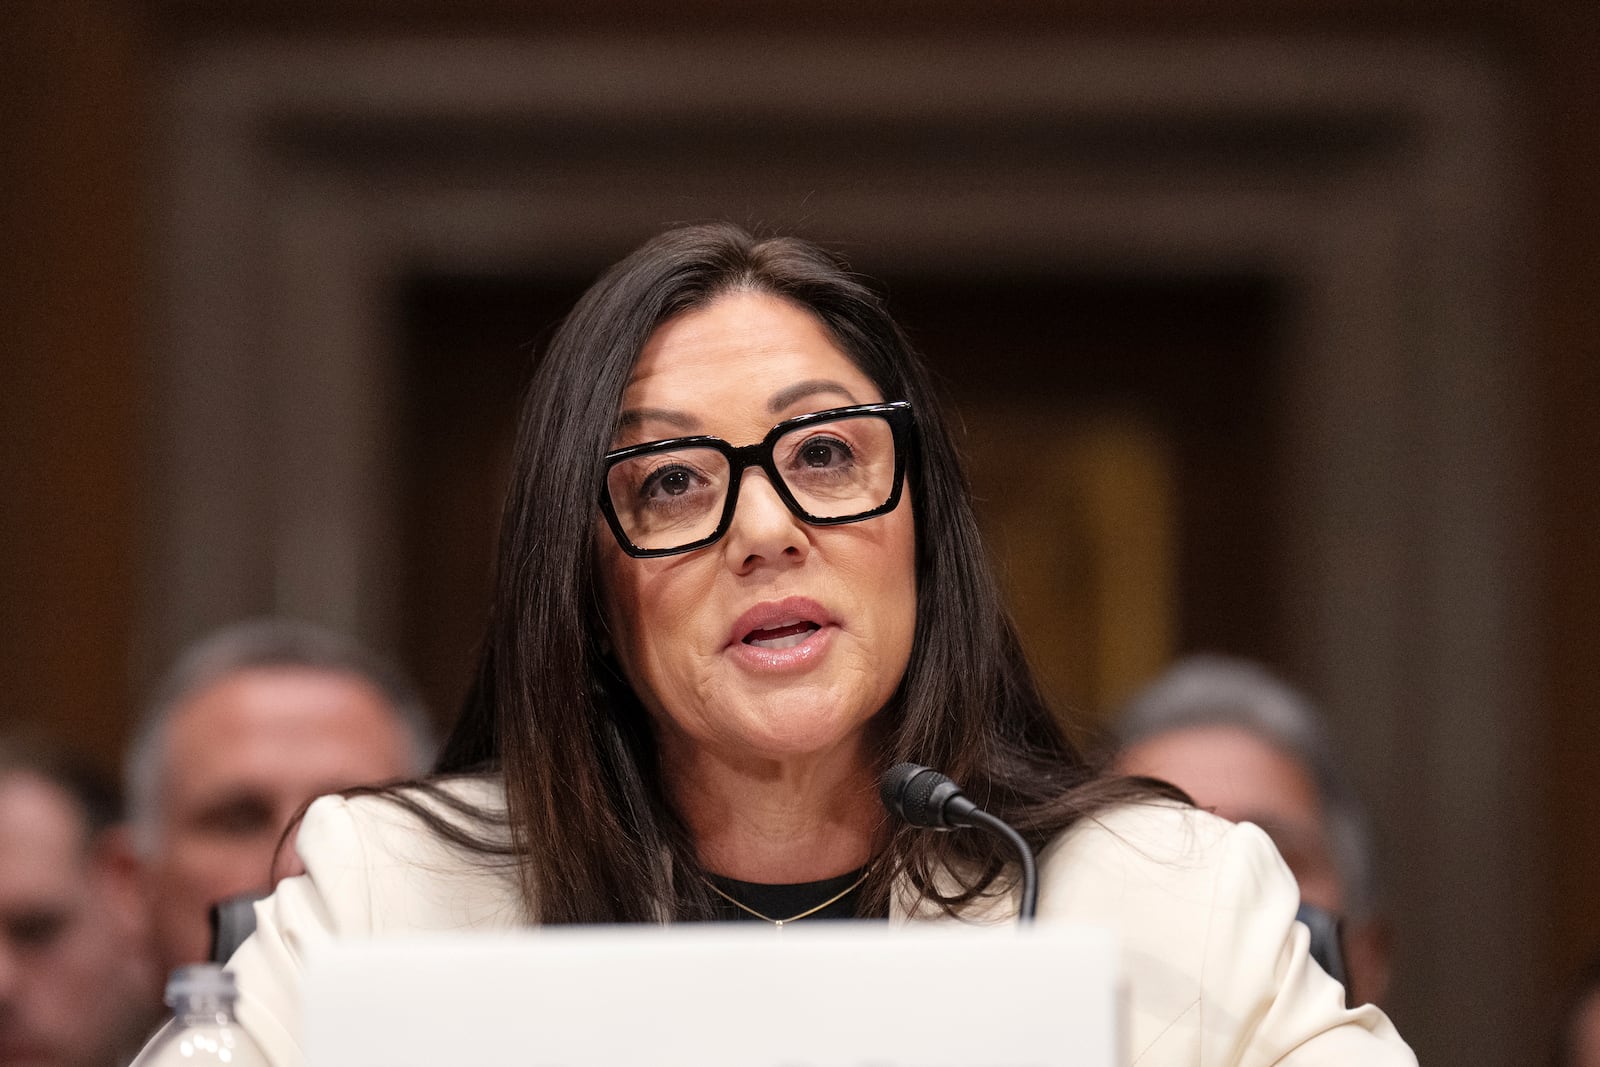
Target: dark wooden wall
[(1564, 109), (72, 193)]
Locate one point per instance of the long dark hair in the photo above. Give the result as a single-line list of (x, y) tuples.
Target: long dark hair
[(587, 821)]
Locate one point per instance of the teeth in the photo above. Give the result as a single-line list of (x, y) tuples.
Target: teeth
[(783, 642)]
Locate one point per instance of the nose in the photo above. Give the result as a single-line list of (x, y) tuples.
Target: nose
[(763, 529)]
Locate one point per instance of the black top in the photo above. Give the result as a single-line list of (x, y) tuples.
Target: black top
[(786, 901)]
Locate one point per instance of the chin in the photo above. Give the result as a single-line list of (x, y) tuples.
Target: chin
[(792, 728)]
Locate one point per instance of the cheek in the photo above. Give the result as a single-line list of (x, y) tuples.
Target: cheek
[(195, 870), (896, 588), (648, 617)]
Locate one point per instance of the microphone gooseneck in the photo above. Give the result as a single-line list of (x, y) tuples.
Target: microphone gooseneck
[(925, 798)]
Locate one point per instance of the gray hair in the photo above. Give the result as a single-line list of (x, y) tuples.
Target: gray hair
[(253, 645), (1212, 690)]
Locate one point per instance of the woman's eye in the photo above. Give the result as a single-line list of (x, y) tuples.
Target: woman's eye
[(668, 481), (824, 452)]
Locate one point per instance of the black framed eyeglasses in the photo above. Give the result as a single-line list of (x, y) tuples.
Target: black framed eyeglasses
[(828, 467)]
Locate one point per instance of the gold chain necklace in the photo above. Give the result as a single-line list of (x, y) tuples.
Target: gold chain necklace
[(779, 923)]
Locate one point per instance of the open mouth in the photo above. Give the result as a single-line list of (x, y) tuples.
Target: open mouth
[(786, 635)]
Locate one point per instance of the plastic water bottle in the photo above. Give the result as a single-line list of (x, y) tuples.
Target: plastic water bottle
[(203, 1028)]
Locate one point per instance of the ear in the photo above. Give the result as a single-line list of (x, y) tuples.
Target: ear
[(287, 864), (121, 877)]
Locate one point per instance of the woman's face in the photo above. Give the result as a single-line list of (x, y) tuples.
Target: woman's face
[(782, 639)]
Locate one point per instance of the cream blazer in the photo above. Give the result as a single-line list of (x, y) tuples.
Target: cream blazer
[(1218, 971)]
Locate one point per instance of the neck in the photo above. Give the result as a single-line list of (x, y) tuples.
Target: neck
[(778, 821)]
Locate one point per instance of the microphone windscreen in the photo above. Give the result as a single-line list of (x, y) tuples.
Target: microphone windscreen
[(905, 789)]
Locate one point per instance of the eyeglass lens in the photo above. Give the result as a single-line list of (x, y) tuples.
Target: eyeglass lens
[(834, 470)]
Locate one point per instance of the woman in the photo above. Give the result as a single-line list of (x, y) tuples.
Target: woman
[(739, 576)]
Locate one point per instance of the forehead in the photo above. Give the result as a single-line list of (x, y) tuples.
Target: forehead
[(734, 363), (42, 839), (1231, 770), (280, 722)]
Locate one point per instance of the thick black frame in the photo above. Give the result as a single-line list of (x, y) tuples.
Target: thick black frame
[(897, 413)]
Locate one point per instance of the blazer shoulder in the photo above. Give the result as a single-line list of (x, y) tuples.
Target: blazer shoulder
[(1217, 968), (1160, 840), (410, 814), (402, 859), (375, 863), (1167, 826)]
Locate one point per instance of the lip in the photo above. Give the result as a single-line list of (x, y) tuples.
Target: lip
[(774, 613)]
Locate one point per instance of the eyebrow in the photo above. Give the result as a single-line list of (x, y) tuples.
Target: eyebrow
[(808, 388), (780, 400), (677, 419)]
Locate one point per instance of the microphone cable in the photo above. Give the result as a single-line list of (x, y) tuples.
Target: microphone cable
[(925, 798)]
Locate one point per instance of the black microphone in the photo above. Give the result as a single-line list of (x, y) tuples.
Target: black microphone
[(924, 797)]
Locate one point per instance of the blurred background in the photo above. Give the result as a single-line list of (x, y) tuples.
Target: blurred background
[(1270, 330)]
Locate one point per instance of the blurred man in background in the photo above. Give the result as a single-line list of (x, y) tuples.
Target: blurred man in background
[(1245, 745), (249, 725), (75, 983)]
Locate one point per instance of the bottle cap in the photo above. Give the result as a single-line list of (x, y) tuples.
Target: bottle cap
[(200, 980)]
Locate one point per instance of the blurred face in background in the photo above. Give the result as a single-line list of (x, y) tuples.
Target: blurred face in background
[(240, 759), (74, 987)]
